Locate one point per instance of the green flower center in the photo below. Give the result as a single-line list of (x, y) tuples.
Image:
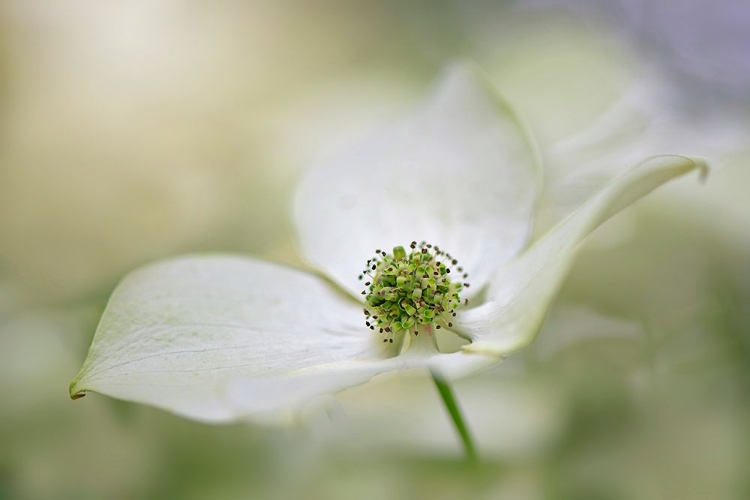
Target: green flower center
[(404, 291)]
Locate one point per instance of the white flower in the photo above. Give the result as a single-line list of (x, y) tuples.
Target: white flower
[(221, 338)]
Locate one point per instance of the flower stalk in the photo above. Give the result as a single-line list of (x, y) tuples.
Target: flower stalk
[(446, 394)]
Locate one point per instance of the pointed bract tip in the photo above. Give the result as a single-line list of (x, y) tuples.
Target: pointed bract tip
[(703, 169), (74, 392)]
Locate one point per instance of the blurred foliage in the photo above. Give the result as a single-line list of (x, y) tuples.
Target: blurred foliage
[(132, 131)]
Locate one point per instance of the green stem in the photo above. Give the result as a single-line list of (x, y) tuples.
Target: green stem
[(453, 410)]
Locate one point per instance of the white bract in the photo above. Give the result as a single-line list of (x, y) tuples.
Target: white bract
[(222, 338)]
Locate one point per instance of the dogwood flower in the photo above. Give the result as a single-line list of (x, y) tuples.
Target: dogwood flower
[(221, 338)]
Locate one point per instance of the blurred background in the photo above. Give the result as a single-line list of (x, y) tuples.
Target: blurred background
[(134, 130)]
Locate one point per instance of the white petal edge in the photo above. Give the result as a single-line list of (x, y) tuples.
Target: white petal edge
[(459, 171), (176, 332), (520, 294), (224, 338), (280, 399)]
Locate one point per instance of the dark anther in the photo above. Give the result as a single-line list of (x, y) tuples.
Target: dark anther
[(454, 262), (390, 340), (373, 267), (450, 324), (437, 327), (382, 253), (385, 340), (466, 275), (360, 277), (367, 283)]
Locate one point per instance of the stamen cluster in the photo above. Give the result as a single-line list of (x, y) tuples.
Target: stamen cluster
[(404, 291)]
